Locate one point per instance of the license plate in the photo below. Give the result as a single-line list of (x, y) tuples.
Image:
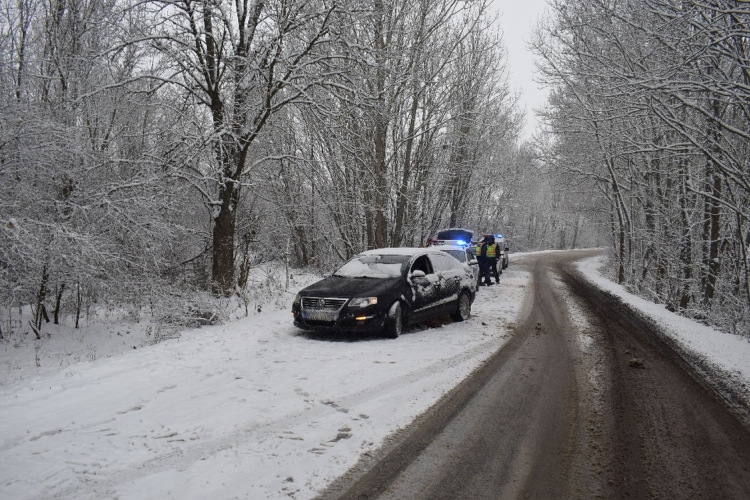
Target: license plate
[(320, 315)]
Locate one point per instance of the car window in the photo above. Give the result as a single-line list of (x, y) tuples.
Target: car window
[(444, 262), (422, 264), (455, 234), (373, 266), (460, 255), (469, 255)]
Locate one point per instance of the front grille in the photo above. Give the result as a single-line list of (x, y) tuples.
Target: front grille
[(322, 309), (323, 303)]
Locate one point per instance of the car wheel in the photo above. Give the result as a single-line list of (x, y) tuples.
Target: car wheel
[(395, 321), (463, 311), (505, 263)]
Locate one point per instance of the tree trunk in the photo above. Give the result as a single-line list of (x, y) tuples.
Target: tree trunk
[(381, 128), (714, 214), (78, 303), (745, 258), (222, 270), (402, 194), (714, 238), (686, 248), (41, 295), (380, 183), (58, 299), (579, 220)]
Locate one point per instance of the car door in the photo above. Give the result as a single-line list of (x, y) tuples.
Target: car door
[(425, 290), (471, 260), (449, 272)]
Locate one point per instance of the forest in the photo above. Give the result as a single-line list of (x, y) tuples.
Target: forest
[(153, 152)]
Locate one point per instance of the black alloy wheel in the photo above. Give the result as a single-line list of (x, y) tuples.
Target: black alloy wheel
[(463, 311), (395, 322)]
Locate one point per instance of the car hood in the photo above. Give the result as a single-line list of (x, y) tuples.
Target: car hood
[(337, 286)]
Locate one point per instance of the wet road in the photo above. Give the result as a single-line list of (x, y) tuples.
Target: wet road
[(581, 403)]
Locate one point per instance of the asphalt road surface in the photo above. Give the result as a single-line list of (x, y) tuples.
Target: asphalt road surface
[(581, 403)]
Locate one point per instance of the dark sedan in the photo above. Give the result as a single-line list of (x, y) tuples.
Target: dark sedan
[(383, 290)]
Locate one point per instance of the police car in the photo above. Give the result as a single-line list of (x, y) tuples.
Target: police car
[(452, 236), (457, 242)]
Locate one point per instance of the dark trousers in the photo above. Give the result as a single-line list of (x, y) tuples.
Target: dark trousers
[(494, 271), (484, 270)]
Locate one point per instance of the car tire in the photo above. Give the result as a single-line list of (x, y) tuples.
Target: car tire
[(505, 263), (395, 321), (463, 308)]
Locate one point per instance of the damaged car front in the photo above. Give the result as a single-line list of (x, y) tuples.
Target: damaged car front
[(357, 297)]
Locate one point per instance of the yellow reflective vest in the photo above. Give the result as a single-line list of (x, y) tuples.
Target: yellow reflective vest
[(492, 251)]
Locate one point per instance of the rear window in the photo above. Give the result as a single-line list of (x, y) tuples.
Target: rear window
[(458, 254), (455, 234), (373, 266)]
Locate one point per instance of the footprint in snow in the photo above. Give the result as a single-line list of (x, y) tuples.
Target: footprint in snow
[(344, 433), (135, 408)]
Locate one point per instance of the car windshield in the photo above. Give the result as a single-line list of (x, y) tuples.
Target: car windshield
[(373, 266), (458, 254)]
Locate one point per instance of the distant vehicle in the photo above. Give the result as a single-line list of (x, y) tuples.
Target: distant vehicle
[(382, 290), (464, 254), (452, 236), (504, 249)]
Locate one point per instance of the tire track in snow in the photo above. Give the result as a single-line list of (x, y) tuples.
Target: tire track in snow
[(182, 459)]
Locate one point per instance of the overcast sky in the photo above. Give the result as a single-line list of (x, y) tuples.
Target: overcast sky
[(517, 21)]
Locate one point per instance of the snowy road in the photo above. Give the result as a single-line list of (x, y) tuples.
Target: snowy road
[(257, 409), (253, 409), (582, 403)]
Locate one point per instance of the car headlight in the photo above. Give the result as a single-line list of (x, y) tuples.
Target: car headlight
[(363, 301), (297, 299)]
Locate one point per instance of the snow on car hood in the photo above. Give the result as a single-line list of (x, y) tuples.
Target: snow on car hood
[(338, 286)]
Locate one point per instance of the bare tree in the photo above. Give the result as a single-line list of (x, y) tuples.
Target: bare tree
[(243, 62)]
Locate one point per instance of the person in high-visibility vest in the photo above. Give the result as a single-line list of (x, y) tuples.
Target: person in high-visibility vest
[(493, 253), (483, 253)]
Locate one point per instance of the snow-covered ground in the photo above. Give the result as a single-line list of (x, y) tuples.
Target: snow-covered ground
[(253, 409)]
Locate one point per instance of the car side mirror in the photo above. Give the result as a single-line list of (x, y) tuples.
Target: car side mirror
[(507, 249), (473, 262), (417, 274)]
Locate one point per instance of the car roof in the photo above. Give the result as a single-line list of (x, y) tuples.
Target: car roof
[(411, 252), (465, 233), (398, 251)]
